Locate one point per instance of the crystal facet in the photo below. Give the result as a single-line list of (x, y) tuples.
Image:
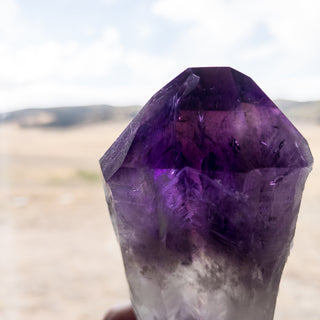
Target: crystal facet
[(204, 188)]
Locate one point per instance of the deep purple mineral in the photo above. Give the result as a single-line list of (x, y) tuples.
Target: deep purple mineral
[(204, 188)]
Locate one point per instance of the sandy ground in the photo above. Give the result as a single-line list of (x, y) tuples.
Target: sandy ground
[(59, 257)]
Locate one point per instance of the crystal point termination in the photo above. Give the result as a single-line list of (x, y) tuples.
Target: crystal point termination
[(204, 188)]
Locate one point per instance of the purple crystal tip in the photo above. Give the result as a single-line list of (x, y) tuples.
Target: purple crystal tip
[(215, 120), (209, 167)]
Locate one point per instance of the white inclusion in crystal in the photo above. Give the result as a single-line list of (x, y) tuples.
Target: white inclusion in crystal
[(276, 180), (205, 290), (181, 296)]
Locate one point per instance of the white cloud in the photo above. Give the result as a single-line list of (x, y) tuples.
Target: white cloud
[(53, 59), (46, 72), (14, 28), (217, 21), (9, 12), (49, 73), (222, 33), (51, 94), (108, 2), (275, 42), (144, 31), (258, 53), (146, 67)]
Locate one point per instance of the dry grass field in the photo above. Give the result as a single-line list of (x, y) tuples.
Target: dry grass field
[(59, 257)]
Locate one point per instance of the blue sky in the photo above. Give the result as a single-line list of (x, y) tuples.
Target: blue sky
[(75, 52)]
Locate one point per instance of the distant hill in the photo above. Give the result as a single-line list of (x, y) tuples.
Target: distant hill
[(300, 111), (64, 117)]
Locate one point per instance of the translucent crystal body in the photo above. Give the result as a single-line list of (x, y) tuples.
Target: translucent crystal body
[(204, 188)]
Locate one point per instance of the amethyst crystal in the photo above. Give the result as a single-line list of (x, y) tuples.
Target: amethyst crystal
[(204, 188)]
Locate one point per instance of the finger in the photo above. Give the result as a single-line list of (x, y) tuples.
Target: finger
[(120, 313)]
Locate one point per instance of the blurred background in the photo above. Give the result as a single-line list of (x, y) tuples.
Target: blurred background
[(72, 76)]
